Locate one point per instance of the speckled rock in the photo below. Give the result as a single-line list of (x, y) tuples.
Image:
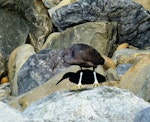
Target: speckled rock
[(105, 104)]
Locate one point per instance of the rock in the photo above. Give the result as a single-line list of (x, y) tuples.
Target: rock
[(98, 104), (50, 87), (143, 115), (51, 3), (100, 35), (130, 56), (122, 69), (145, 4), (137, 78), (13, 31), (109, 63), (5, 92), (9, 114), (112, 75), (133, 19), (29, 20), (4, 80), (123, 46), (2, 64), (61, 4), (38, 69), (16, 60)]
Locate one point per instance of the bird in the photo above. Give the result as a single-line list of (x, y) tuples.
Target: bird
[(84, 56)]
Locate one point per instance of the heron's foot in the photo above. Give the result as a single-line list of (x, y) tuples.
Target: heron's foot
[(95, 84)]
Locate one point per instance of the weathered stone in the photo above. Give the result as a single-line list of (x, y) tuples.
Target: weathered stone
[(50, 86), (9, 114), (13, 31), (144, 3), (100, 35), (137, 78), (51, 3), (130, 56), (5, 92), (61, 4), (16, 60), (133, 20), (29, 21), (112, 75), (105, 104), (122, 69), (38, 69), (143, 115)]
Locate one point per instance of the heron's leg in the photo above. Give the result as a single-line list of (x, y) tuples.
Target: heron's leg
[(80, 79), (96, 83)]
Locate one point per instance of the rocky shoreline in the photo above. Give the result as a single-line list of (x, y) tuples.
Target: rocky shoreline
[(32, 33)]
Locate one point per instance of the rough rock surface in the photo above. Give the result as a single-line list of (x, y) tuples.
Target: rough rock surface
[(100, 35), (16, 60), (9, 114), (137, 78), (143, 115), (38, 69), (106, 104), (23, 21), (13, 31), (133, 20)]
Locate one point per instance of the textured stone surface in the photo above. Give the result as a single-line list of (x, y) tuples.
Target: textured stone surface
[(105, 104), (143, 115), (133, 20), (38, 69), (23, 21), (137, 78), (100, 35), (9, 114), (16, 60), (13, 31), (130, 56)]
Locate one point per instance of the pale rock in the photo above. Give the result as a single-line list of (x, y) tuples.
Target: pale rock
[(5, 92), (112, 75), (16, 60), (102, 104), (128, 56), (137, 78), (100, 35), (61, 4), (9, 114)]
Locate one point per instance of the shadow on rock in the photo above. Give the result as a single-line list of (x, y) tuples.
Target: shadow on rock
[(87, 78)]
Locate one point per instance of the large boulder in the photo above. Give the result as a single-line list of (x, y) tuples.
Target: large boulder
[(137, 78), (13, 31), (38, 69), (133, 20), (16, 60), (23, 22), (106, 104), (100, 35), (9, 114)]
